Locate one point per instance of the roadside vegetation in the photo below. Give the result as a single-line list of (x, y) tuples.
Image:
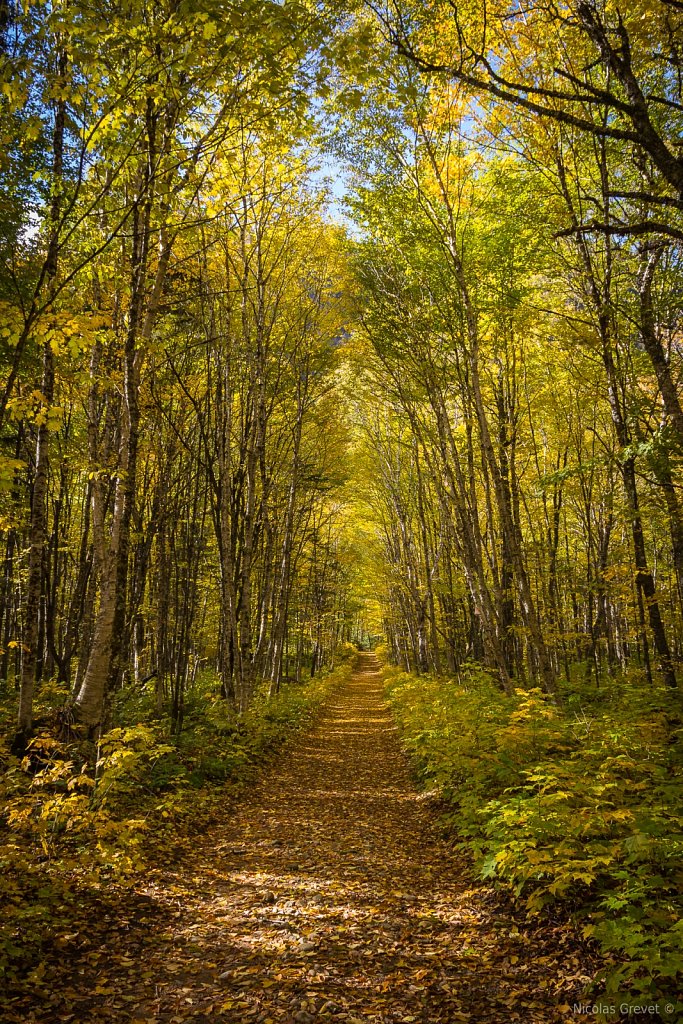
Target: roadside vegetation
[(573, 807)]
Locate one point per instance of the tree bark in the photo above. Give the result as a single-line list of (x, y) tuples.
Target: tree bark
[(39, 507)]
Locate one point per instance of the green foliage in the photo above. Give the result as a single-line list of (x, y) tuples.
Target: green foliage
[(577, 804)]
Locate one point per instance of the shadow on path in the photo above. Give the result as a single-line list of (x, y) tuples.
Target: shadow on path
[(327, 894)]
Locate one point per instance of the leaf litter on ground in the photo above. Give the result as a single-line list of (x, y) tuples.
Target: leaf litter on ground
[(327, 893)]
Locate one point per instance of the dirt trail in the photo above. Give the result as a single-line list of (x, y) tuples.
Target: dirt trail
[(327, 894)]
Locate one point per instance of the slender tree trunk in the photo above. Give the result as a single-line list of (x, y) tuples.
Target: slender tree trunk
[(653, 346), (39, 506)]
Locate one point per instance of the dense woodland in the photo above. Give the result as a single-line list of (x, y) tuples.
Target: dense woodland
[(246, 423)]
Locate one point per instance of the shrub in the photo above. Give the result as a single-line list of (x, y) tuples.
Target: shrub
[(576, 804)]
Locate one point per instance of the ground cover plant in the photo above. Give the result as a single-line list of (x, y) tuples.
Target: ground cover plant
[(576, 806)]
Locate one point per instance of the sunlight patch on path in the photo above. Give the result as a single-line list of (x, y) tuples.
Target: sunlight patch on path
[(329, 895)]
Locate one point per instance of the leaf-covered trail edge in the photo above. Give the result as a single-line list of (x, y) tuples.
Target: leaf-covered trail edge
[(328, 892)]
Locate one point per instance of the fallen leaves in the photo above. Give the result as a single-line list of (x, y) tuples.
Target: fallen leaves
[(327, 895)]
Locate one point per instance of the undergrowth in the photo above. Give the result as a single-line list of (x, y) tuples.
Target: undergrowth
[(575, 806), (82, 815)]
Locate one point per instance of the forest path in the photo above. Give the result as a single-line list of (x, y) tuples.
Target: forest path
[(327, 894)]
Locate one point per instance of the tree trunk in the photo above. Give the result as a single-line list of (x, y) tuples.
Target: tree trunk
[(38, 523)]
